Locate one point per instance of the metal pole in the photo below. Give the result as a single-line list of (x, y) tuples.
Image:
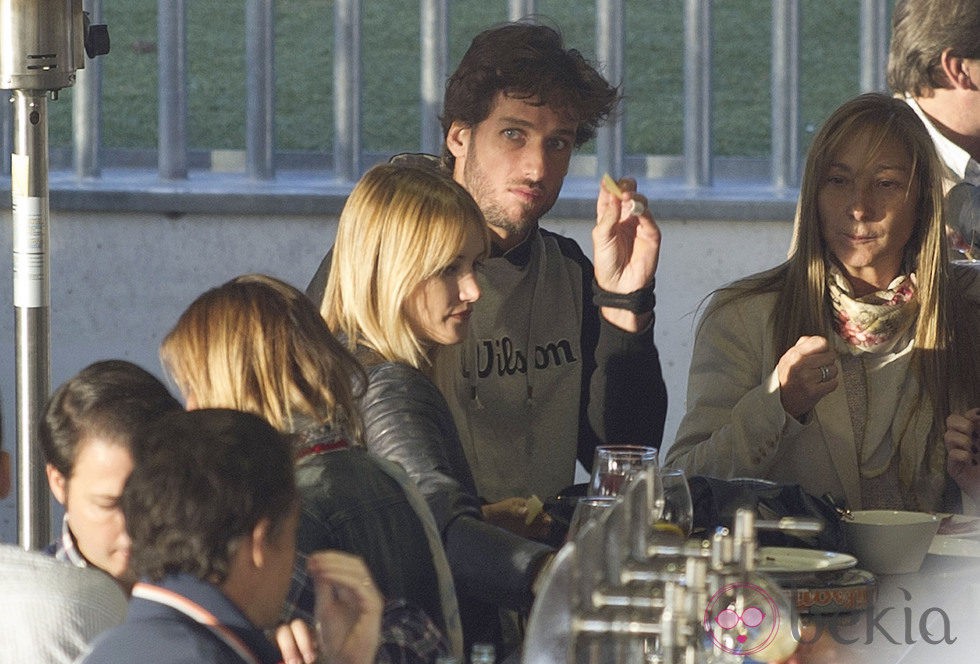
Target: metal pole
[(435, 65), (172, 89), (785, 92), (260, 84), (87, 110), (38, 57), (875, 25), (29, 194), (518, 9), (610, 39), (42, 44), (697, 92), (347, 89)]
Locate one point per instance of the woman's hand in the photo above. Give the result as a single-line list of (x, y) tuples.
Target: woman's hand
[(807, 373), (512, 514), (962, 433), (348, 608)]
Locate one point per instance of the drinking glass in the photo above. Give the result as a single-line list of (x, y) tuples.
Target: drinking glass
[(615, 465), (678, 509), (587, 509)]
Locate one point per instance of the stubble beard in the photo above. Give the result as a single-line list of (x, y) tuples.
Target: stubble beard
[(481, 189), (496, 217)]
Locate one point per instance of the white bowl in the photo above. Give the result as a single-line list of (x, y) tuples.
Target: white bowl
[(890, 541)]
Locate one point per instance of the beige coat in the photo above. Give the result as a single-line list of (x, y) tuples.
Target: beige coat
[(735, 425)]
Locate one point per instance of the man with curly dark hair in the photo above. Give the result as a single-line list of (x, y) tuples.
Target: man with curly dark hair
[(560, 354)]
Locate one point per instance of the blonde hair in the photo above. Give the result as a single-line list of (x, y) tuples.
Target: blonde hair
[(941, 335), (401, 225), (258, 345)]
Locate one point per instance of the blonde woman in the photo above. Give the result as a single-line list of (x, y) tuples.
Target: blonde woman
[(258, 345), (837, 369), (401, 287)]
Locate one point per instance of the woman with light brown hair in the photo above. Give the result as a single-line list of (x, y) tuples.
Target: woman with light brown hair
[(837, 369), (255, 345), (258, 345)]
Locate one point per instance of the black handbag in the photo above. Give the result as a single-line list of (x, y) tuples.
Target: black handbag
[(716, 500)]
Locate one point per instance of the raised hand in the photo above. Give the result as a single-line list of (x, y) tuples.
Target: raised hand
[(807, 373), (626, 246), (962, 463), (348, 608)]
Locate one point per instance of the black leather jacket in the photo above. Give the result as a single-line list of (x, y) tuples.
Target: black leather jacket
[(406, 420), (350, 503)]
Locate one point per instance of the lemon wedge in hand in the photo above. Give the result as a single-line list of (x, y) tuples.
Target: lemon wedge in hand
[(534, 507), (610, 184)]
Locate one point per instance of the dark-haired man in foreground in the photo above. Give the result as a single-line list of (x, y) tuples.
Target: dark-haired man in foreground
[(212, 509)]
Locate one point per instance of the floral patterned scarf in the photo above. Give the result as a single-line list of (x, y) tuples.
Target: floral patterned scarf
[(874, 322)]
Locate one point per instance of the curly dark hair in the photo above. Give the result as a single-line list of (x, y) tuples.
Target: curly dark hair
[(527, 61), (201, 481)]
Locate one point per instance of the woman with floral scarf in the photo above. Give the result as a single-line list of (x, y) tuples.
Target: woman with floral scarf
[(836, 370)]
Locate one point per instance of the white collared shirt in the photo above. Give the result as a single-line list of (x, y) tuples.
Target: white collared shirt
[(962, 167)]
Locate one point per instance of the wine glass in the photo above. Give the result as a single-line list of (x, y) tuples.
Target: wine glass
[(587, 509), (678, 508), (615, 465)]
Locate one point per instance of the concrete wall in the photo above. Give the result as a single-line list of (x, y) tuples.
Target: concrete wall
[(118, 283)]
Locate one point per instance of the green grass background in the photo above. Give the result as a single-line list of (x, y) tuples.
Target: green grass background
[(653, 82)]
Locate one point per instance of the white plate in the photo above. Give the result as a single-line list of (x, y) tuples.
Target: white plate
[(960, 525), (778, 559), (947, 545)]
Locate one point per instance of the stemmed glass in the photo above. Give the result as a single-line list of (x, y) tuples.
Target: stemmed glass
[(678, 508), (587, 509), (615, 465)]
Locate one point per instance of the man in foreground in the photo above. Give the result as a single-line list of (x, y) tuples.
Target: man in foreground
[(212, 509)]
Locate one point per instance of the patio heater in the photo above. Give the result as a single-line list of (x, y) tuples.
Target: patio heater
[(42, 44)]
